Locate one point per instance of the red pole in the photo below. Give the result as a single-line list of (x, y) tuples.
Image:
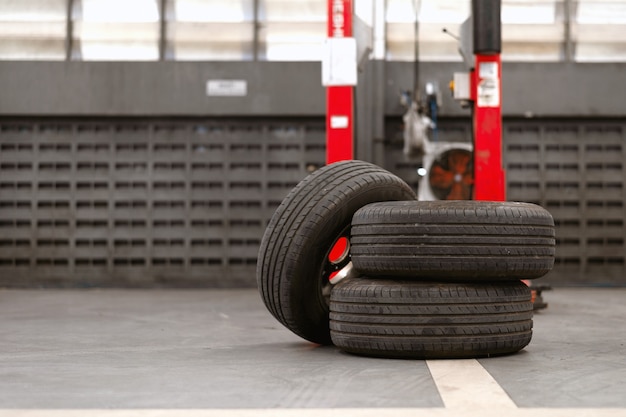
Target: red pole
[(339, 99), (489, 181), (486, 90)]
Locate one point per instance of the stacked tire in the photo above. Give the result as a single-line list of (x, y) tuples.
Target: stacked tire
[(439, 279), (443, 278)]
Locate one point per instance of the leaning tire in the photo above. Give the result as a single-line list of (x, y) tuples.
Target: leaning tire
[(421, 320), (293, 267), (458, 240)]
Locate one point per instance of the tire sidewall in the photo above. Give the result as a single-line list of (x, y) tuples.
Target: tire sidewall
[(315, 246)]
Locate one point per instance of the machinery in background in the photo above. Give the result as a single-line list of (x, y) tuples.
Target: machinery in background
[(447, 173), (480, 44), (464, 171)]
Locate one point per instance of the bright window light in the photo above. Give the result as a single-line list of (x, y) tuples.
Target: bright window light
[(528, 13), (364, 10), (400, 11), (444, 11), (32, 29), (292, 10), (212, 11), (117, 30), (120, 11), (32, 10), (601, 12)]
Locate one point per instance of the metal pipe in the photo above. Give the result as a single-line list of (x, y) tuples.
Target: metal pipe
[(162, 30), (416, 50), (568, 45), (256, 28), (69, 30)]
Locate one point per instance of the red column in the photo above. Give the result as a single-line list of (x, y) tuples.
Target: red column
[(339, 99), (489, 181)]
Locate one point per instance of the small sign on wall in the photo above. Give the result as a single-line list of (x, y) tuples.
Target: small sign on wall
[(227, 88)]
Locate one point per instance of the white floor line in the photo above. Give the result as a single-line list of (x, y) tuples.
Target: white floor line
[(466, 389), (325, 412), (466, 384)]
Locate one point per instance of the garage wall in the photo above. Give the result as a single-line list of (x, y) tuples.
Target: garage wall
[(144, 202), (128, 174), (576, 170), (158, 89), (287, 88)]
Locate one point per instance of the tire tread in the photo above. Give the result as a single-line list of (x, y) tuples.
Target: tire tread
[(415, 319), (463, 240)]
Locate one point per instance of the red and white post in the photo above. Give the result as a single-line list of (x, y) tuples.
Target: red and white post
[(486, 85), (339, 77), (486, 92)]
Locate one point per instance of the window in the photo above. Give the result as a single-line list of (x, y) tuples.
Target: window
[(292, 30), (205, 30), (532, 30), (116, 30), (33, 29), (598, 29), (428, 18)]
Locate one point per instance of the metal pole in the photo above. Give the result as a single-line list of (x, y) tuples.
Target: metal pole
[(162, 30), (489, 182), (416, 50), (69, 30), (379, 85), (568, 46), (256, 28)]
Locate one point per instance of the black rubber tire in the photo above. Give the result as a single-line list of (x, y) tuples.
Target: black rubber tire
[(293, 269), (422, 320), (453, 240)]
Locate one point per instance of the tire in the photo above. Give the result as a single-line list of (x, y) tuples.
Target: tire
[(426, 320), (453, 240), (293, 267)]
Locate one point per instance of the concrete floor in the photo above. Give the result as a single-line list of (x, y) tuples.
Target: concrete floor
[(221, 350)]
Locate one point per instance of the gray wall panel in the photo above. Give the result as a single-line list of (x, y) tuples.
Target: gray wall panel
[(144, 203), (158, 88), (538, 89), (286, 88)]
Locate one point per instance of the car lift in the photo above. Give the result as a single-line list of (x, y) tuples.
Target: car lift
[(339, 77), (485, 85), (482, 87)]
